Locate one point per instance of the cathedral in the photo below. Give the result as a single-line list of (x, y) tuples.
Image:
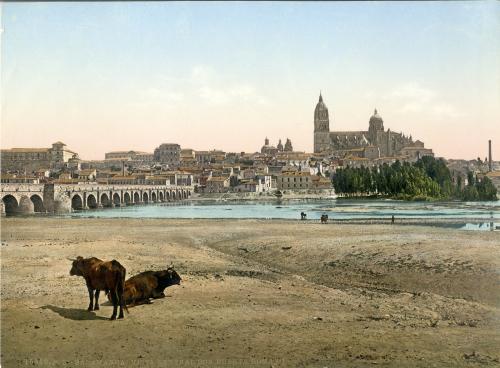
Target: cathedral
[(373, 143), (271, 150)]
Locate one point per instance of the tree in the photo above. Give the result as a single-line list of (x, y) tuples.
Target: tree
[(470, 178)]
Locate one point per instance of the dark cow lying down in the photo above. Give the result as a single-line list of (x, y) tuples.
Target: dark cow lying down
[(149, 284), (100, 275)]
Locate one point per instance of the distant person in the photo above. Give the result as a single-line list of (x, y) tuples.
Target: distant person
[(324, 219), (303, 216), (392, 219)]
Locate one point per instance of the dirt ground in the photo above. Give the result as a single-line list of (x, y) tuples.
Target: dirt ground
[(254, 294)]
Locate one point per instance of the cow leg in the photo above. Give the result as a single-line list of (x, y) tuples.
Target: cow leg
[(96, 304), (158, 295), (120, 300), (91, 297), (114, 300)]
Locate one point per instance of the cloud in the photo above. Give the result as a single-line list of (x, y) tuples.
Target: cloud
[(414, 98), (214, 89), (201, 83)]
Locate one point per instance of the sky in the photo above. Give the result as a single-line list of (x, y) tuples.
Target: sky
[(129, 76)]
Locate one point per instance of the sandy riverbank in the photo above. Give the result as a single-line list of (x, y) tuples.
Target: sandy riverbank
[(254, 293)]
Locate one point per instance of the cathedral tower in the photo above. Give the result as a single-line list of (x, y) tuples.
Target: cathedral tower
[(321, 127)]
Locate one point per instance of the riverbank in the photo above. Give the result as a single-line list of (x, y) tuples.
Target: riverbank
[(254, 293), (268, 196)]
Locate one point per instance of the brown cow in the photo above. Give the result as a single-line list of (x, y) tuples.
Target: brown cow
[(149, 284), (100, 275)]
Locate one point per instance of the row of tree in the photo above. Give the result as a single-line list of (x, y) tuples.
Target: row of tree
[(428, 178)]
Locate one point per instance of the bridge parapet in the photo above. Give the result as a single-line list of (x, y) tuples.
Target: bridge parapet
[(104, 187), (22, 188)]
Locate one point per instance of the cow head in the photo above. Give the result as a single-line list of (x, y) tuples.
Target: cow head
[(76, 267), (169, 277)]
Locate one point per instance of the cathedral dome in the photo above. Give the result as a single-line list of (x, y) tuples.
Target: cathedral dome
[(376, 117)]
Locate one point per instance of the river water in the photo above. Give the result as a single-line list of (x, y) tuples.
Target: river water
[(487, 213)]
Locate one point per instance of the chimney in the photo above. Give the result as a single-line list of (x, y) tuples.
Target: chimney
[(489, 156)]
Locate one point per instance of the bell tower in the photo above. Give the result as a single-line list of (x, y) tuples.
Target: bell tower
[(321, 127)]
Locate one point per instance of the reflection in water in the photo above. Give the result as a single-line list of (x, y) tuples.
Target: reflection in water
[(480, 226)]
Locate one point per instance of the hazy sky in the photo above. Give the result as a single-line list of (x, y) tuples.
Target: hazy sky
[(116, 76)]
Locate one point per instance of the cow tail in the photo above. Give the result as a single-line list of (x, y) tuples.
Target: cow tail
[(120, 289)]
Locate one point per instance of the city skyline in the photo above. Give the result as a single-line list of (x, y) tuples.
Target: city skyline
[(130, 76)]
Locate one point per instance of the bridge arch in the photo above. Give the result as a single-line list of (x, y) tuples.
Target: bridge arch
[(126, 198), (145, 197), (91, 201), (153, 197), (137, 197), (11, 205), (105, 201), (37, 203), (116, 199), (76, 202)]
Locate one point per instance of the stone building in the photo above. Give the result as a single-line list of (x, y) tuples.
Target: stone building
[(125, 155), (376, 141), (217, 184), (168, 153), (32, 159), (294, 180), (270, 150), (267, 149)]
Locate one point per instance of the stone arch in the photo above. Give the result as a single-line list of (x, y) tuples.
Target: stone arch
[(37, 203), (126, 198), (105, 201), (91, 201), (167, 194), (153, 197), (174, 196), (137, 197), (145, 197), (183, 194), (161, 196), (11, 205), (116, 199), (76, 202)]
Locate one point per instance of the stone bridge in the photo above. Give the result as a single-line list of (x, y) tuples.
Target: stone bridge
[(60, 198)]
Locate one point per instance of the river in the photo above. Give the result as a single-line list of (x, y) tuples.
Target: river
[(461, 212)]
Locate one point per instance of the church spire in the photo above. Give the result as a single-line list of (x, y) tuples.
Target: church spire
[(320, 97)]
